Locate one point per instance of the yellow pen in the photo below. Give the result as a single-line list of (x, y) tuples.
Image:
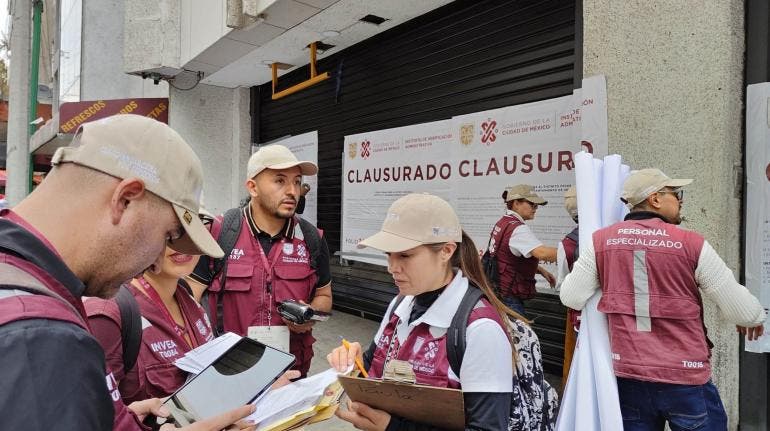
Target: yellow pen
[(359, 365)]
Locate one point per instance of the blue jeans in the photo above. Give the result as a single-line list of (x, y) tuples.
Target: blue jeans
[(646, 406), (514, 304)]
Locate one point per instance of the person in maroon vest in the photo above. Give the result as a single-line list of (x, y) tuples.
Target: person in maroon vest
[(270, 262), (126, 187), (172, 325), (653, 274), (517, 249), (566, 255), (433, 263)]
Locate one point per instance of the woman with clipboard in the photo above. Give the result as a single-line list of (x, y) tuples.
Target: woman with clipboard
[(433, 263)]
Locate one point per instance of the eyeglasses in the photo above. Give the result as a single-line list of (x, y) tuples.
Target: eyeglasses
[(679, 193), (206, 220)]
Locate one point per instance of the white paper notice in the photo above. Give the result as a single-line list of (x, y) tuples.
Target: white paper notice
[(276, 337), (468, 161), (758, 203)]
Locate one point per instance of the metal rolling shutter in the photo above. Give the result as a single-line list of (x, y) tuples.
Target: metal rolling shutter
[(465, 57)]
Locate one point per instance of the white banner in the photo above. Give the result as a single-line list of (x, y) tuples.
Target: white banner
[(305, 147), (758, 202), (469, 160)]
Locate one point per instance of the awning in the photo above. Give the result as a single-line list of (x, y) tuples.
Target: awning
[(59, 130)]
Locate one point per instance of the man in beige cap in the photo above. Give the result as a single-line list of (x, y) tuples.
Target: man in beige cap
[(126, 188), (519, 261), (272, 256), (652, 275)]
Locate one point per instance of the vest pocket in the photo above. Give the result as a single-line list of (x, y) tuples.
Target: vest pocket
[(163, 379), (239, 278), (293, 282)]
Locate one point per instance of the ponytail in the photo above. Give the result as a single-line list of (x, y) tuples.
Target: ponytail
[(466, 257)]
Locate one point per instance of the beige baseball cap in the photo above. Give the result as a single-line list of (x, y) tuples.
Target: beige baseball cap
[(523, 191), (277, 156), (133, 146), (642, 183), (570, 202), (416, 219)]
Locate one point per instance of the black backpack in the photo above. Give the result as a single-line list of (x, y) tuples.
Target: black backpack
[(209, 268)]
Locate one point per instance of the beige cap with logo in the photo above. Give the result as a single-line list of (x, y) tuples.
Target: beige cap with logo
[(523, 191), (570, 202), (133, 146), (642, 183), (277, 156), (413, 220)]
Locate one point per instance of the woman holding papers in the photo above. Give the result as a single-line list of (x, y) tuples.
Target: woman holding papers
[(172, 324), (433, 263)]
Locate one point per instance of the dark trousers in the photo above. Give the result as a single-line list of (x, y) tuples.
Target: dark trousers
[(647, 406), (514, 304)]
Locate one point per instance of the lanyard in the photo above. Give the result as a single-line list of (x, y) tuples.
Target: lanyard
[(153, 295), (268, 267), (390, 354)]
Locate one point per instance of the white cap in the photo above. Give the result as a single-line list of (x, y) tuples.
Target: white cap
[(413, 220), (642, 183), (277, 157)]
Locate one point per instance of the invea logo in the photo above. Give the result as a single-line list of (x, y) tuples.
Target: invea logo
[(488, 131)]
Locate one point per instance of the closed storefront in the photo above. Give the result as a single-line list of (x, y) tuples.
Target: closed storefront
[(465, 57)]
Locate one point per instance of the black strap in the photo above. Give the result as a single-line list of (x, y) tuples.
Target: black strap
[(399, 298), (312, 239), (575, 236), (456, 342), (130, 327)]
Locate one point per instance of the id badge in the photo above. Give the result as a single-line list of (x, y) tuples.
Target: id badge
[(274, 336)]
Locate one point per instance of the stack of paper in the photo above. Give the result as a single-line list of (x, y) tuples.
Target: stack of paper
[(290, 405), (202, 356)]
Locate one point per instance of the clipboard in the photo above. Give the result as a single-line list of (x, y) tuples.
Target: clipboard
[(441, 407)]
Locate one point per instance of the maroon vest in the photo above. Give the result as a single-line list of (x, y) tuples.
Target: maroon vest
[(647, 274), (427, 353), (517, 274), (67, 309), (154, 375), (246, 300), (570, 246)]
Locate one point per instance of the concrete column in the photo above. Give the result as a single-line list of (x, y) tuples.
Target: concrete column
[(17, 161), (215, 121), (675, 95)]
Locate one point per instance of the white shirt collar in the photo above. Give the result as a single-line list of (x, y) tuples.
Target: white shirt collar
[(514, 214), (441, 312)]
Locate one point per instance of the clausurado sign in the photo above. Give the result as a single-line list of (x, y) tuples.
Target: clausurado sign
[(469, 160)]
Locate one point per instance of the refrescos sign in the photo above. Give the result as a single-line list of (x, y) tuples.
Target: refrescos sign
[(469, 160), (73, 114)]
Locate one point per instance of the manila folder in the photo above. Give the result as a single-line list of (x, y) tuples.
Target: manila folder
[(441, 407)]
